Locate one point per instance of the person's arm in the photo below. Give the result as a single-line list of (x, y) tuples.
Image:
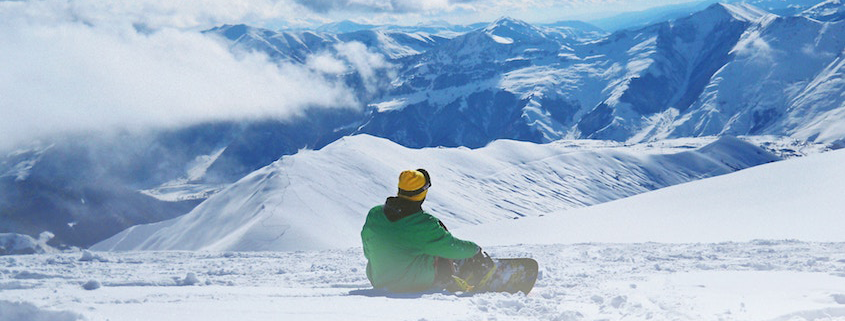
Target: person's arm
[(437, 241)]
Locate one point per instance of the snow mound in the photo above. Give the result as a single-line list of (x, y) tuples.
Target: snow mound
[(318, 199)]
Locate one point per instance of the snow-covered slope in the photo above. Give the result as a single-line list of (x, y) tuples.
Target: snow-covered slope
[(317, 199), (793, 199)]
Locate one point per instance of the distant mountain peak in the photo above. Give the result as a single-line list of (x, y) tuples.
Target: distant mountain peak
[(231, 32), (740, 11), (508, 22), (716, 13), (507, 30)]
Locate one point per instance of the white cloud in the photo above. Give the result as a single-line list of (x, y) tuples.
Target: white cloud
[(366, 63), (63, 69), (181, 14), (326, 63)]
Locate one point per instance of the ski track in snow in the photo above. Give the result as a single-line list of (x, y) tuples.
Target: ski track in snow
[(759, 280)]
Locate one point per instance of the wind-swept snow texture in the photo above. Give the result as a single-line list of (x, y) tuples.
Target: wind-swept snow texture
[(318, 199)]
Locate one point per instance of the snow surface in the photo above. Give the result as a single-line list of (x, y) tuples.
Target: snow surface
[(318, 199), (761, 280)]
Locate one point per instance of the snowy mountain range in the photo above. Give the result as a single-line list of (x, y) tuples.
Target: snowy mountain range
[(730, 69), (726, 70)]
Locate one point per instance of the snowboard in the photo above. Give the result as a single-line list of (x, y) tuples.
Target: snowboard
[(509, 275)]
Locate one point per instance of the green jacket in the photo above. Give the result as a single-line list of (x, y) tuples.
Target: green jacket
[(401, 249)]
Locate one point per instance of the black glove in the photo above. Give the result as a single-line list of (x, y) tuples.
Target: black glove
[(478, 264)]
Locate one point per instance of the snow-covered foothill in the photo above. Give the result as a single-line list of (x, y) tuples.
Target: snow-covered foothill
[(793, 199), (318, 199)]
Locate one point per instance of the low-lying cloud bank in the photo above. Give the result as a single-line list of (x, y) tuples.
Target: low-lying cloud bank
[(68, 67)]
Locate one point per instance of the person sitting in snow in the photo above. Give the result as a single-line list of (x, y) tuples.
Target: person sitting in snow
[(407, 249)]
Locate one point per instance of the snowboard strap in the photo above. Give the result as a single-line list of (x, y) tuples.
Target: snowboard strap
[(464, 286), (487, 276)]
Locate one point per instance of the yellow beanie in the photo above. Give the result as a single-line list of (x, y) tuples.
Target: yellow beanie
[(413, 185)]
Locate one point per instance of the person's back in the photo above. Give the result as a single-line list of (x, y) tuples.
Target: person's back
[(403, 243)]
